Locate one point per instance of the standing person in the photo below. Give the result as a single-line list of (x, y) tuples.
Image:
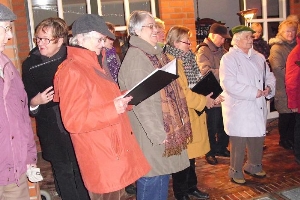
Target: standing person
[(178, 46), (161, 38), (259, 44), (208, 59), (112, 58), (114, 64), (38, 73), (292, 82), (94, 113), (246, 81), (18, 149), (161, 118), (281, 46)]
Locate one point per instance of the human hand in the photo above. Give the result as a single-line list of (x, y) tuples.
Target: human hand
[(267, 91), (218, 100), (259, 94), (121, 104), (209, 101), (42, 98), (294, 110)]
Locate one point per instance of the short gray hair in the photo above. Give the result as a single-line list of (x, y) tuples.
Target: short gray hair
[(237, 37), (73, 41), (136, 21)]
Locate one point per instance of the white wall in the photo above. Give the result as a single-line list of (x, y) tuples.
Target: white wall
[(219, 10)]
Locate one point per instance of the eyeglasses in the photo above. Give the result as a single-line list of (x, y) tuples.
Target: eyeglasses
[(43, 40), (7, 28), (291, 31), (151, 26), (188, 43), (101, 39)]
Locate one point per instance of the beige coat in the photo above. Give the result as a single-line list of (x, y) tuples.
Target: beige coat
[(200, 145), (146, 118)]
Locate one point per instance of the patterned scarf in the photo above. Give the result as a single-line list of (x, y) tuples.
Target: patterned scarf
[(113, 63), (175, 113), (190, 66)]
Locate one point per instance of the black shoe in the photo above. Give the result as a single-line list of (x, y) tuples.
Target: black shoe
[(224, 153), (286, 144), (130, 189), (186, 197), (199, 195), (211, 160)]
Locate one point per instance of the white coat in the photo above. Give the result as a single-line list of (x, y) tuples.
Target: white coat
[(241, 75)]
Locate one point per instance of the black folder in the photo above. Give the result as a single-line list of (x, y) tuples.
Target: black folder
[(154, 82), (208, 84)]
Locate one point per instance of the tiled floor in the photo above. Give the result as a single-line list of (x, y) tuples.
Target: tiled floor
[(282, 173)]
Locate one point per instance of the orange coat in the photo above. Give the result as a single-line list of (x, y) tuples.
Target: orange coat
[(108, 154)]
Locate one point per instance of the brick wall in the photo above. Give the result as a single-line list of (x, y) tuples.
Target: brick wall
[(174, 12), (295, 7)]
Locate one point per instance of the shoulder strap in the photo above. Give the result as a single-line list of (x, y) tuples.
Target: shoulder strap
[(202, 44)]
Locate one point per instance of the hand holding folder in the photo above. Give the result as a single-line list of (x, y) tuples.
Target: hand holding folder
[(154, 82)]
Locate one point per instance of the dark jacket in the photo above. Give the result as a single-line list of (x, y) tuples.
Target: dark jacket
[(262, 47), (38, 73)]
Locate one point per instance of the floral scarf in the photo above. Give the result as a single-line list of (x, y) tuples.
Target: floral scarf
[(113, 63), (175, 113)]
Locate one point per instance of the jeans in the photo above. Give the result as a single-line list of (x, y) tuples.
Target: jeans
[(153, 188), (69, 181), (218, 139), (297, 136)]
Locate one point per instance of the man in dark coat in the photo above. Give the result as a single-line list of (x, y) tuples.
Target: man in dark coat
[(38, 73)]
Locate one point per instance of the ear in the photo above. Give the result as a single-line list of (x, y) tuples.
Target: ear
[(176, 44), (138, 32), (60, 41)]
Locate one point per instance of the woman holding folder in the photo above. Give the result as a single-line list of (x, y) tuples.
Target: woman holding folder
[(178, 46), (160, 123)]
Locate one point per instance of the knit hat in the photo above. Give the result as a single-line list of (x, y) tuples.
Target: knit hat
[(6, 14), (219, 29), (91, 22), (240, 28)]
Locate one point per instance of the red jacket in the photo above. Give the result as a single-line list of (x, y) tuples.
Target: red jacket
[(108, 154), (292, 78)]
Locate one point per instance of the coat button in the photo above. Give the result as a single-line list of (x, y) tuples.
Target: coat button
[(258, 80), (12, 137)]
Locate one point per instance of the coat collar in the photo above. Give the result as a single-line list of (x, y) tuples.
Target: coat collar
[(145, 46)]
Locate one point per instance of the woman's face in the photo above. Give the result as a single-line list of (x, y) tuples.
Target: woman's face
[(258, 32), (148, 31), (289, 33), (183, 44), (109, 43)]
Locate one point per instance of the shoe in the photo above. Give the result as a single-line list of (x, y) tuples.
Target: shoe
[(239, 181), (211, 160), (130, 189), (261, 174), (264, 147), (286, 144), (197, 194), (224, 153), (185, 197)]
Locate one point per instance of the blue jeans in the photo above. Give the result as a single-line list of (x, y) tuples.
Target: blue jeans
[(152, 188)]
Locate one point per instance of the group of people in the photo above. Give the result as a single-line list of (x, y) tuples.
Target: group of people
[(97, 143)]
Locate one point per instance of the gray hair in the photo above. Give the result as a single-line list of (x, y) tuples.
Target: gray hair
[(237, 37), (136, 21), (73, 41)]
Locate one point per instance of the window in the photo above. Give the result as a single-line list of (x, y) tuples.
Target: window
[(114, 11)]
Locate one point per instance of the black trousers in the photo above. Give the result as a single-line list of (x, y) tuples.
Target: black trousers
[(286, 124), (218, 139), (297, 136), (69, 181), (185, 181)]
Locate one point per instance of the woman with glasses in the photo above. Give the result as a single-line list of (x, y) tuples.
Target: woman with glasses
[(281, 46), (161, 122), (246, 82), (179, 46), (94, 112), (38, 73)]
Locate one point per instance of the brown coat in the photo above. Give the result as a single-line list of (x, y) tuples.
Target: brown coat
[(107, 152)]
